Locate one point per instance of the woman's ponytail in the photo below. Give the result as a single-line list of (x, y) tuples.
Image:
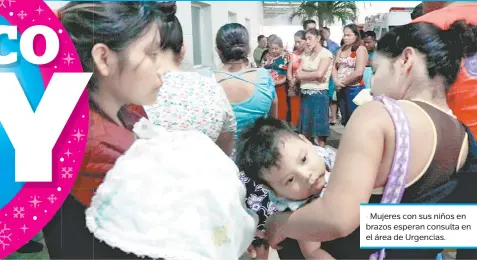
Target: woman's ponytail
[(464, 36)]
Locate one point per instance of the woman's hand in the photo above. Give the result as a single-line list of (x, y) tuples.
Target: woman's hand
[(259, 252), (292, 82), (339, 85), (275, 225)]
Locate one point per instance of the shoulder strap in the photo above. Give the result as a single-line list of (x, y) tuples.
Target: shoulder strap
[(237, 76), (396, 182)]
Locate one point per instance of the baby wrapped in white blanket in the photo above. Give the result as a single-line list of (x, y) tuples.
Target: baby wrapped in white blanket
[(173, 195)]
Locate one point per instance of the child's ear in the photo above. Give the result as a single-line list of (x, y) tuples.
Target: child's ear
[(302, 137)]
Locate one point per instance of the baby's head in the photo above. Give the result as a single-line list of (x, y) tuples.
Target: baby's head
[(270, 153)]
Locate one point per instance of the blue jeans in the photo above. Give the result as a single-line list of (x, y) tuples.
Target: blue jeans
[(345, 98)]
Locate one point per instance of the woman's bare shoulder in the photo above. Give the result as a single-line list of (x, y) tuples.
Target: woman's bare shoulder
[(371, 117)]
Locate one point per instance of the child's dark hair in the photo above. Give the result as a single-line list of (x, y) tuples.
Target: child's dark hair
[(257, 147), (444, 49)]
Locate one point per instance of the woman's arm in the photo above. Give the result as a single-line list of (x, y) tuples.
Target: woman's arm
[(323, 66), (351, 182), (319, 73), (226, 137), (226, 142), (369, 63), (290, 69), (361, 60), (274, 109)]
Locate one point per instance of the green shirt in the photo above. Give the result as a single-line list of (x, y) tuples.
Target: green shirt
[(257, 54)]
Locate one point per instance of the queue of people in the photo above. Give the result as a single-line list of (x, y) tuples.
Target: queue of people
[(273, 122)]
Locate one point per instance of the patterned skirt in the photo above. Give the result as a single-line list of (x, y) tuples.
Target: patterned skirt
[(314, 114)]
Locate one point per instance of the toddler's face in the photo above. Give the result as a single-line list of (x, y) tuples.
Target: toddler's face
[(300, 171)]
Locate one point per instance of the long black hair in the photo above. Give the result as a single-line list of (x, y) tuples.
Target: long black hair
[(444, 49)]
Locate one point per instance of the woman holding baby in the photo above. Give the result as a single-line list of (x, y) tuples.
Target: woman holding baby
[(135, 195), (414, 66), (128, 62)]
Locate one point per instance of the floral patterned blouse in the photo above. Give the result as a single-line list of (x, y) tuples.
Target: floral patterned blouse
[(276, 66), (190, 101)]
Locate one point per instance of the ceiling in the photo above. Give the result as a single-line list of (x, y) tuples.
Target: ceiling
[(273, 9)]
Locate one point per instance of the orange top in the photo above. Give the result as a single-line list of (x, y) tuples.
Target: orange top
[(106, 142), (462, 96)]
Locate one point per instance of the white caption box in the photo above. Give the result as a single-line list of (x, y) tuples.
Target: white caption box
[(418, 225)]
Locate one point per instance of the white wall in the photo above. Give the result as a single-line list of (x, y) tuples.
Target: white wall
[(283, 28), (213, 16)]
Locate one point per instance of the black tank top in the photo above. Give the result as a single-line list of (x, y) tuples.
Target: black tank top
[(440, 183)]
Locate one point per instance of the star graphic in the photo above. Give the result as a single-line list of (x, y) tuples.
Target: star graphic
[(24, 228), (39, 10), (69, 59), (68, 153), (35, 201), (78, 135)]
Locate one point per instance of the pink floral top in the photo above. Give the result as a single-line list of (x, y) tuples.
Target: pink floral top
[(190, 101), (346, 66)]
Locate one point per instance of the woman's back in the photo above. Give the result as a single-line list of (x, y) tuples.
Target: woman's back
[(251, 93), (427, 141)]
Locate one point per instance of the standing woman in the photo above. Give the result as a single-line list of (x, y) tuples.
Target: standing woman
[(250, 91), (406, 148), (128, 60), (348, 71), (314, 74), (293, 82), (265, 52), (276, 62)]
